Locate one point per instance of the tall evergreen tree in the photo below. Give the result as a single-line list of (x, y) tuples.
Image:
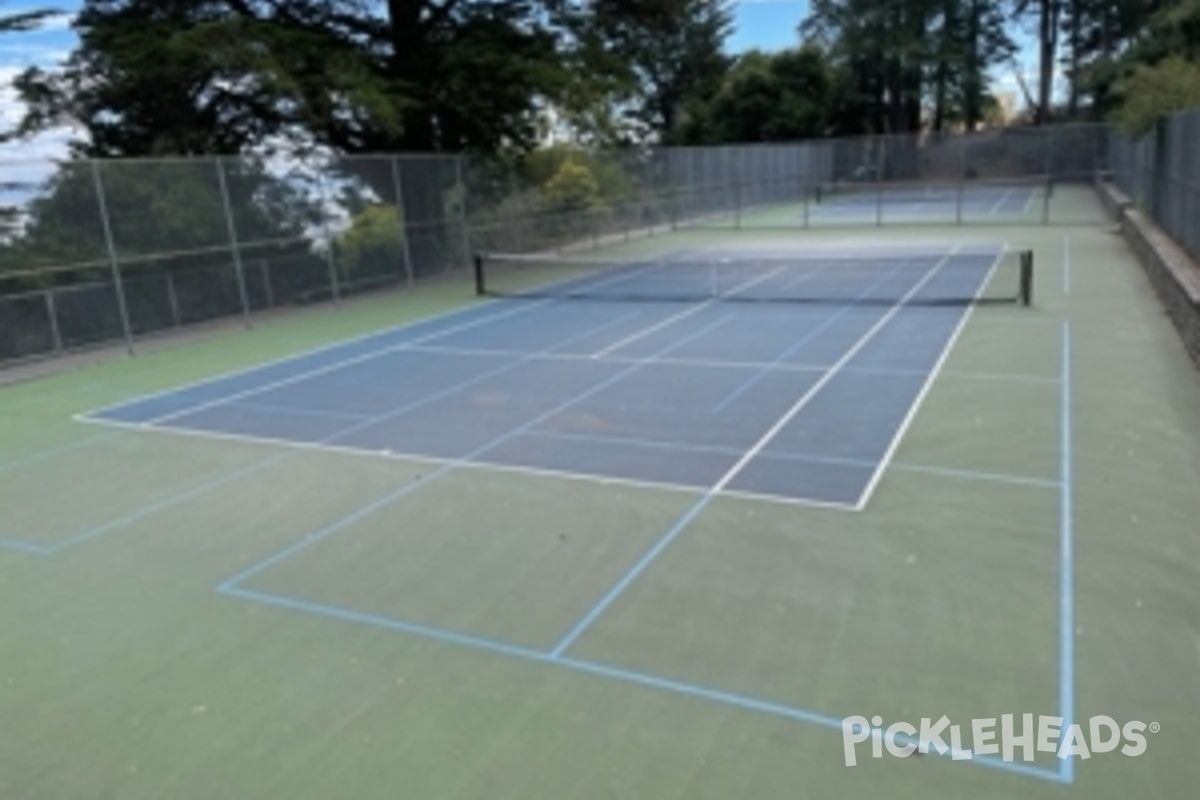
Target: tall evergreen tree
[(192, 76), (670, 54)]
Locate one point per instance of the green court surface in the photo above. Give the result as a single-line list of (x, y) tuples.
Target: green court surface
[(195, 617)]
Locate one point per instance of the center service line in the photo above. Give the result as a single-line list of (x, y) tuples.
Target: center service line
[(682, 523), (680, 315)]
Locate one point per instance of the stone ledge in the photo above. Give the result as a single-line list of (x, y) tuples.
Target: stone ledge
[(1172, 272)]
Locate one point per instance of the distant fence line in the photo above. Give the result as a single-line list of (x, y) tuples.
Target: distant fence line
[(1161, 174), (101, 251)]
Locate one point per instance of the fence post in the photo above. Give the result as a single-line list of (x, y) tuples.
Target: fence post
[(464, 227), (233, 242), (111, 249), (173, 300), (402, 219), (268, 289), (52, 313), (327, 231)]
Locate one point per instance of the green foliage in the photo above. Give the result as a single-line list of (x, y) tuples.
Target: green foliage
[(892, 60), (154, 208), (768, 98), (1152, 93), (668, 55), (177, 76), (374, 242), (1155, 71), (612, 182), (572, 188)]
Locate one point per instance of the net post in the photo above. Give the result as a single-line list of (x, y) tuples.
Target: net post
[(1025, 296), (480, 288)]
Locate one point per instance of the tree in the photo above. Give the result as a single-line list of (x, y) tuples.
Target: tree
[(891, 57), (159, 213), (770, 98), (669, 54), (176, 77), (1048, 14), (1159, 72), (374, 243), (1151, 93), (193, 76)]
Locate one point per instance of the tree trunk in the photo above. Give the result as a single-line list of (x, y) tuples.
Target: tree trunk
[(1048, 45), (413, 64)]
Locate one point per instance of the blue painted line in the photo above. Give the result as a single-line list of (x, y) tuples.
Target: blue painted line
[(683, 447), (379, 338), (195, 491), (338, 525), (780, 710), (673, 686), (1066, 561), (175, 499), (632, 574), (974, 475), (478, 379), (446, 467), (819, 329), (28, 548), (55, 451), (381, 621)]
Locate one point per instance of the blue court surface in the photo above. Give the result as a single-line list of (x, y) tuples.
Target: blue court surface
[(795, 402)]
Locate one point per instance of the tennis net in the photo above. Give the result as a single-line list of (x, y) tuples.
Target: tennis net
[(929, 278)]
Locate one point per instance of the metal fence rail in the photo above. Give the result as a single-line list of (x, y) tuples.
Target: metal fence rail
[(1161, 173), (102, 251)]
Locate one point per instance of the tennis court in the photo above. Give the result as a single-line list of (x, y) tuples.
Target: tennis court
[(645, 523), (736, 393), (963, 199)]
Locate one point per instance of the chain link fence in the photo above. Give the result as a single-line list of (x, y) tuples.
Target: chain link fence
[(1161, 173), (104, 251)]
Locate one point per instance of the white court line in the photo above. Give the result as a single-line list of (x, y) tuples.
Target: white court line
[(996, 206), (807, 397), (705, 363), (273, 408), (865, 497), (87, 416), (685, 313), (787, 501), (328, 368), (479, 465)]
